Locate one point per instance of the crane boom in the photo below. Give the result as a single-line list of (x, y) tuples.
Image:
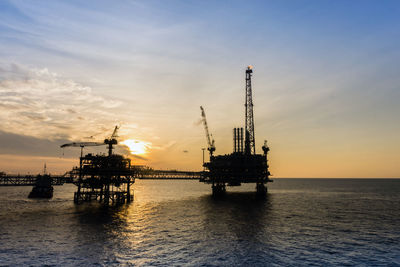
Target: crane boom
[(210, 140), (115, 132), (108, 141), (82, 144)]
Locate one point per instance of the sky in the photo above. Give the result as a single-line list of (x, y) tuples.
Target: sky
[(326, 82)]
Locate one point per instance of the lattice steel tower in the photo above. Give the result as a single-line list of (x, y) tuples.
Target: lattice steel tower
[(250, 147)]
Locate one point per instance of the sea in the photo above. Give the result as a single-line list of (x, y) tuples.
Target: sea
[(301, 222)]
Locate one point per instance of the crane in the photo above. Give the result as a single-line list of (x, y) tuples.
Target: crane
[(81, 145), (210, 139), (112, 140)]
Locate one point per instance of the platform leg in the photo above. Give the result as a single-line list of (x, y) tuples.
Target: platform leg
[(128, 189), (261, 189), (218, 189)]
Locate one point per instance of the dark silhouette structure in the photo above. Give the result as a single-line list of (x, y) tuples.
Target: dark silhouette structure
[(249, 119), (243, 165), (210, 139), (106, 178), (43, 187)]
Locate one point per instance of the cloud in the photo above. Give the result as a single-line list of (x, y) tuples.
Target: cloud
[(167, 146), (14, 144), (198, 122), (139, 157), (42, 104)]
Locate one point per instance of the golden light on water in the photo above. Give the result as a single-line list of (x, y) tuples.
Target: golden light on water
[(137, 147)]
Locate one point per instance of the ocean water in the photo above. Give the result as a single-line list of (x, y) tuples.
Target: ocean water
[(302, 222)]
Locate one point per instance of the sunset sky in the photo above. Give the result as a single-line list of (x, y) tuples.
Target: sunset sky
[(326, 83)]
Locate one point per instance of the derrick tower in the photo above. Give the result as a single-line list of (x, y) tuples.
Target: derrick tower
[(250, 147)]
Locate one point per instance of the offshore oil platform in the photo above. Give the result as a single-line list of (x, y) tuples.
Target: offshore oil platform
[(243, 165), (108, 178), (105, 178)]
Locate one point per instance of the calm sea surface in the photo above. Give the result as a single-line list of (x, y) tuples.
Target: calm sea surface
[(177, 223)]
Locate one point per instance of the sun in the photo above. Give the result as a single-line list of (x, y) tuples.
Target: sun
[(137, 147)]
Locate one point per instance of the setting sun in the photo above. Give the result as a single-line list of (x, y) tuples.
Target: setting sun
[(137, 147)]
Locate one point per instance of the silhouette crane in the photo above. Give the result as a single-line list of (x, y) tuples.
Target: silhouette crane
[(111, 141), (210, 139)]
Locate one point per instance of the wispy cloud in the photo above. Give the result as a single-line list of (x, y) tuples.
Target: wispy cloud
[(42, 104)]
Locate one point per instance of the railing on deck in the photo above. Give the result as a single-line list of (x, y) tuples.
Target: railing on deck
[(30, 180), (169, 175), (71, 177)]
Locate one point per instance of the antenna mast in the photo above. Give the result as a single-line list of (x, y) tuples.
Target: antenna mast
[(250, 147)]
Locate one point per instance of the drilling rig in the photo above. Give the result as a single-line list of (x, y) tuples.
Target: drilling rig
[(105, 178), (243, 165)]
